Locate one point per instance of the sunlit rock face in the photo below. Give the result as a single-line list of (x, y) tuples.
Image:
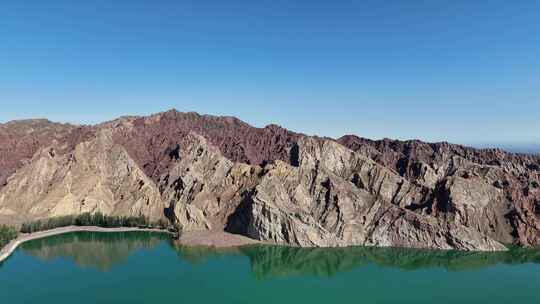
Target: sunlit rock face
[(337, 197), (495, 192), (96, 175), (219, 173), (20, 140)]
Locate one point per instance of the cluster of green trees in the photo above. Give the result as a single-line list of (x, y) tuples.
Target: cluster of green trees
[(7, 234), (92, 219)]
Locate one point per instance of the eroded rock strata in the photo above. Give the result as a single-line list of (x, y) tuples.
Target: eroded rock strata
[(219, 173)]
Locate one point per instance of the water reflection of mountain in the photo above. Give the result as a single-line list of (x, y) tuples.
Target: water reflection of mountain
[(277, 261), (104, 250), (197, 255), (92, 249)]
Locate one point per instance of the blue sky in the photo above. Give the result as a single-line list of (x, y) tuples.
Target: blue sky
[(461, 71)]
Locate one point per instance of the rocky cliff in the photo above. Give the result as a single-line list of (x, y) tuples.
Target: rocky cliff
[(271, 184), (494, 191)]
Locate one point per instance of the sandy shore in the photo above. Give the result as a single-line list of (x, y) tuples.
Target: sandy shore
[(217, 239), (11, 246)]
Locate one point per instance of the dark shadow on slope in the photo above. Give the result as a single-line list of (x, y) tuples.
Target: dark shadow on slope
[(294, 155), (239, 220)]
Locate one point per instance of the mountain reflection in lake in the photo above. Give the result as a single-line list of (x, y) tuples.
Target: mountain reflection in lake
[(93, 249), (279, 261), (103, 251), (135, 267)]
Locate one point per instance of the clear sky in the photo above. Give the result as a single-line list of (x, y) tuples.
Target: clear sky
[(461, 71)]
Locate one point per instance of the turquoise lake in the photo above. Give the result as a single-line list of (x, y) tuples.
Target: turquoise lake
[(139, 267)]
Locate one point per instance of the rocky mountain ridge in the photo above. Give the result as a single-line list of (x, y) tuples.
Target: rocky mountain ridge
[(271, 184)]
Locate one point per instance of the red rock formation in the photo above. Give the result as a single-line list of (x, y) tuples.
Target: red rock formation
[(154, 141)]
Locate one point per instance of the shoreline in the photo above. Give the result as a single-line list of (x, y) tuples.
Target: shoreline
[(215, 239), (10, 247), (196, 238)]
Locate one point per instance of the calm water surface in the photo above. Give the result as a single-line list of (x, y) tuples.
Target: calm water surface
[(139, 267)]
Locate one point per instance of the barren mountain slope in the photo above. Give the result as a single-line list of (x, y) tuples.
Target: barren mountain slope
[(19, 140), (153, 140), (219, 173), (96, 175), (463, 177)]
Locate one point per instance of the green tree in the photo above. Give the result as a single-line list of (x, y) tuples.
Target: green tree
[(7, 233), (91, 219)]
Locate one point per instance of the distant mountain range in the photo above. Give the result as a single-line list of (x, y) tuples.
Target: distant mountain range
[(530, 149), (271, 184), (513, 148)]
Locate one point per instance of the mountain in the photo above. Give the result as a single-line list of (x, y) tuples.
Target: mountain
[(271, 184)]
